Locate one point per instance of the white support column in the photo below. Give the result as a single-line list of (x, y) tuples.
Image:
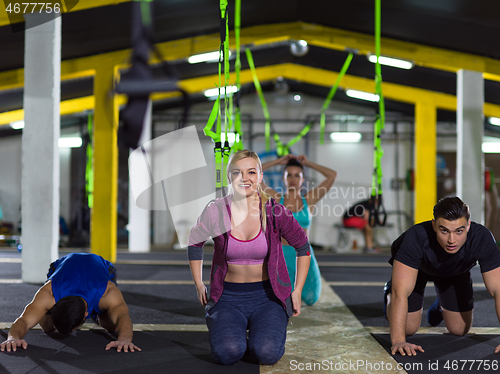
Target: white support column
[(470, 130), (163, 227), (40, 151), (139, 220)]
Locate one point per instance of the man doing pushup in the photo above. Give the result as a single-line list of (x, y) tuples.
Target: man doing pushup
[(79, 286), (443, 251)]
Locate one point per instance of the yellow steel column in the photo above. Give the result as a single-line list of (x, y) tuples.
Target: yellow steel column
[(425, 160), (105, 163)]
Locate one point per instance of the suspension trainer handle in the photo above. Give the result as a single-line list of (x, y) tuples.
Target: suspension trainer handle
[(378, 214)]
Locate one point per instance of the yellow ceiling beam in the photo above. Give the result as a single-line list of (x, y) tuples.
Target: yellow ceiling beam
[(332, 38), (318, 35), (86, 4), (82, 4), (70, 69), (322, 36), (67, 107), (11, 116), (391, 91), (291, 71), (491, 110), (326, 78)]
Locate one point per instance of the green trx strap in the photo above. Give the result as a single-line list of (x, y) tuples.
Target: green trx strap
[(89, 170), (281, 149), (145, 12), (218, 145), (211, 120), (327, 102), (330, 97), (378, 215), (279, 145), (301, 134), (226, 150), (325, 106), (221, 152), (238, 145)]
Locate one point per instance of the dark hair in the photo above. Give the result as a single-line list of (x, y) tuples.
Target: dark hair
[(294, 162), (451, 209), (68, 313)]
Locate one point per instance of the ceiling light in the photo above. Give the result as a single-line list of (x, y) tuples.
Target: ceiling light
[(491, 147), (495, 121), (205, 57), (345, 137), (231, 137), (362, 95), (215, 91), (73, 142), (389, 61), (17, 125)]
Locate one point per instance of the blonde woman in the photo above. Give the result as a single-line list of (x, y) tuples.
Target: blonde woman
[(249, 283), (301, 206)]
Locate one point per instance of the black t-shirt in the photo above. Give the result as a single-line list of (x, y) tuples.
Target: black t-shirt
[(358, 209), (418, 248)]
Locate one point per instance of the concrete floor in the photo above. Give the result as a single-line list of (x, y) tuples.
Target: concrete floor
[(345, 332)]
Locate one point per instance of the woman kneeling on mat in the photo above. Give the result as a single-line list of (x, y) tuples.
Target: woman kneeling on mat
[(249, 284), (301, 207)]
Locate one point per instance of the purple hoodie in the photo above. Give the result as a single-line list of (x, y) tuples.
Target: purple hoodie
[(215, 222)]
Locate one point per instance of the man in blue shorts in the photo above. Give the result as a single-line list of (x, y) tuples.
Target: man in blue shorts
[(443, 251), (79, 286)]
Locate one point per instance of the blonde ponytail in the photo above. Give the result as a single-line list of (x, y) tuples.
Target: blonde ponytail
[(264, 198)]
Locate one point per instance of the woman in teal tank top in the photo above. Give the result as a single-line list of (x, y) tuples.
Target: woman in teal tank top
[(301, 207)]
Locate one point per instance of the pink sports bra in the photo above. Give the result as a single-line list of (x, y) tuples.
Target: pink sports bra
[(247, 252)]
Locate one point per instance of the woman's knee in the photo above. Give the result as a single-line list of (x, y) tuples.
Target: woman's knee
[(227, 354), (267, 355)]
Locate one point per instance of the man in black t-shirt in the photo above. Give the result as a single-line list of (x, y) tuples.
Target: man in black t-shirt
[(443, 251)]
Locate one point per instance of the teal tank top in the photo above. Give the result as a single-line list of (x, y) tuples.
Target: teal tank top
[(81, 274), (303, 216)]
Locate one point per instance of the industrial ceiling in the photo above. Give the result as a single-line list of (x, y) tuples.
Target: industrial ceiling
[(439, 36)]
